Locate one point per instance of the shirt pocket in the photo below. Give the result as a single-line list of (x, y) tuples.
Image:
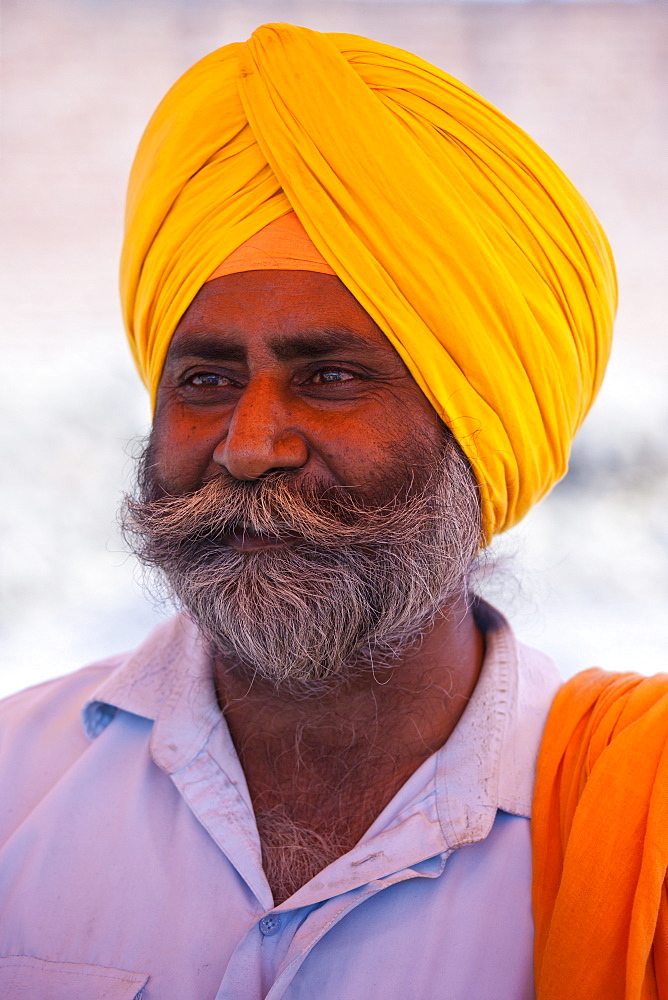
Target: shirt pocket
[(23, 977)]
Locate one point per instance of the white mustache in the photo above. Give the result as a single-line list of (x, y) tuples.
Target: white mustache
[(275, 507), (360, 586)]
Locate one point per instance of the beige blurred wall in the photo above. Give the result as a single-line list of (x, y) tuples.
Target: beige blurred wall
[(588, 81)]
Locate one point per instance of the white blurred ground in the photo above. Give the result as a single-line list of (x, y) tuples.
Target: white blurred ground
[(589, 583)]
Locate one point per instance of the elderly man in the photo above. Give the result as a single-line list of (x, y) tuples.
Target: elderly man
[(371, 314)]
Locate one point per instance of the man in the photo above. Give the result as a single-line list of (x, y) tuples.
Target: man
[(371, 314)]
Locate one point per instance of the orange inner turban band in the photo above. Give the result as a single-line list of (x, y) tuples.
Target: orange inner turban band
[(283, 245), (477, 258)]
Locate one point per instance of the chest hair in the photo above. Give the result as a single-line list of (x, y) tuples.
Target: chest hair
[(312, 812)]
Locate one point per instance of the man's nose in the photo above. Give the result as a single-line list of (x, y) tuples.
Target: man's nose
[(261, 436)]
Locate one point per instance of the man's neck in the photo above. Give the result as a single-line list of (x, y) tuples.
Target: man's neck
[(323, 767)]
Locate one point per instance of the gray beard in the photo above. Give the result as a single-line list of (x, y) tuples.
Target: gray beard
[(364, 583)]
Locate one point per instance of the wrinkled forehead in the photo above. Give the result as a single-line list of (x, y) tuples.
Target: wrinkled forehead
[(277, 286), (285, 314)]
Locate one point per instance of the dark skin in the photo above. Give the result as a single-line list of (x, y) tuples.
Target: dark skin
[(284, 370)]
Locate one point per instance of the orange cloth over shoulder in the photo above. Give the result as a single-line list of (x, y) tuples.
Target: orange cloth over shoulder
[(600, 841)]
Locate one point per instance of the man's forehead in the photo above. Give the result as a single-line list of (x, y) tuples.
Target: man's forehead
[(293, 314)]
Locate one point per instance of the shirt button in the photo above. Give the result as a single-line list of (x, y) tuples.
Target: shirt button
[(270, 924)]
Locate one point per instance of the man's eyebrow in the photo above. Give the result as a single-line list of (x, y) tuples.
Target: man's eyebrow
[(208, 348), (285, 346), (316, 343)]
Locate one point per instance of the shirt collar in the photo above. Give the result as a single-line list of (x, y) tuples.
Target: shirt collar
[(488, 763), (168, 680)]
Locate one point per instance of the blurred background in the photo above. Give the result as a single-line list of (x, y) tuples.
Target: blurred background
[(585, 577)]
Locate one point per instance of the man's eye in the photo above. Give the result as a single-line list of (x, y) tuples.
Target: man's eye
[(332, 375), (208, 380)]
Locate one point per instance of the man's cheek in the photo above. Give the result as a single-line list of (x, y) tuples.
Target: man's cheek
[(181, 457)]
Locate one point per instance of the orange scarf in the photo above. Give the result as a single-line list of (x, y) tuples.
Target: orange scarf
[(600, 841)]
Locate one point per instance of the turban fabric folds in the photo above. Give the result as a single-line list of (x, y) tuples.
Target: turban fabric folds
[(476, 257)]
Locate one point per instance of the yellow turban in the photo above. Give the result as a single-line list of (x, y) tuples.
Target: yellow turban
[(470, 249)]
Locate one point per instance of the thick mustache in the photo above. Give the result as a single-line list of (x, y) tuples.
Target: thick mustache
[(373, 566), (320, 513)]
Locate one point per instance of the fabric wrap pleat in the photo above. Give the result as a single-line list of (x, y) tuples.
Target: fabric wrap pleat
[(600, 841), (470, 249)]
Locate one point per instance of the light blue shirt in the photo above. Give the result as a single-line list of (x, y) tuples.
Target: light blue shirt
[(131, 863)]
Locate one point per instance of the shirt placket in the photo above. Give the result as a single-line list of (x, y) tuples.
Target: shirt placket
[(280, 941)]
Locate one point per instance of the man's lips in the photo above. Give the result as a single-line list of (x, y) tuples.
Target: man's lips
[(244, 540)]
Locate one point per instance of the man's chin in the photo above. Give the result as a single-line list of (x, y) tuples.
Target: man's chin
[(295, 648), (282, 674)]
